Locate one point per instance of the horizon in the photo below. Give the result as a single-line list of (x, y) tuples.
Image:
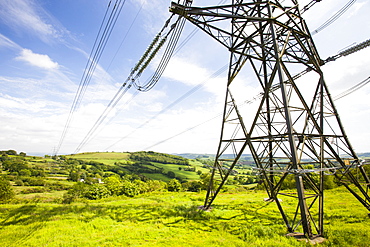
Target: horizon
[(45, 46)]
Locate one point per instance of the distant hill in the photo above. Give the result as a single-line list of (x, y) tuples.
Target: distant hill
[(212, 156), (152, 165)]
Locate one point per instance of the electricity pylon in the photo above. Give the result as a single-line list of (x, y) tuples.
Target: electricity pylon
[(295, 131)]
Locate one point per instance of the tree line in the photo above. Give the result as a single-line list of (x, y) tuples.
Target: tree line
[(159, 158)]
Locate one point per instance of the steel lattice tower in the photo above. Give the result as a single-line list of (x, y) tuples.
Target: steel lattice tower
[(295, 130)]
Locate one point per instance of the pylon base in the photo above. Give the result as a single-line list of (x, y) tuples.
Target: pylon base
[(301, 237)]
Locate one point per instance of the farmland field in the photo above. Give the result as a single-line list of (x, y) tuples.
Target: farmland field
[(173, 219)]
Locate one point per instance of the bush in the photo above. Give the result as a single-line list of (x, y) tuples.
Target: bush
[(34, 181), (6, 190), (77, 191), (193, 186), (34, 190), (156, 185), (19, 182), (113, 184), (129, 189), (96, 191), (174, 185)]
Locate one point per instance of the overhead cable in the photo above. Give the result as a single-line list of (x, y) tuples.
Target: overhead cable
[(98, 47), (277, 86), (177, 28), (352, 89), (334, 17), (142, 64), (180, 99), (117, 97), (130, 81)]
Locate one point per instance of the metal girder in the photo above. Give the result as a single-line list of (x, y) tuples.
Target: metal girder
[(295, 131)]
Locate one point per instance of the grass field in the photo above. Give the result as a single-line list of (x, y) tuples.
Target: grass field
[(108, 158), (173, 219)]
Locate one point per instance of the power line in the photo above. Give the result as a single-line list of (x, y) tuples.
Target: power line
[(180, 99), (144, 61), (352, 89), (334, 17), (150, 83), (275, 87), (93, 59), (133, 76)]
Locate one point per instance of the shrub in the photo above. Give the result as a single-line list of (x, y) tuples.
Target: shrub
[(194, 186), (77, 191), (156, 185), (6, 190), (174, 185), (19, 182), (97, 191), (113, 184), (129, 189), (34, 190)]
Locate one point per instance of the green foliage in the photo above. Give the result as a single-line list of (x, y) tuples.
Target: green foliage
[(159, 158), (25, 172), (113, 184), (9, 152), (171, 174), (193, 186), (205, 181), (74, 175), (30, 181), (129, 189), (156, 185), (174, 185), (6, 190), (14, 165), (96, 191)]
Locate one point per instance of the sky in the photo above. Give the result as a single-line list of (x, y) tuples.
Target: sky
[(45, 46)]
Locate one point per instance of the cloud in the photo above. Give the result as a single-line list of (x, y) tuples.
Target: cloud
[(28, 16), (38, 60), (6, 42)]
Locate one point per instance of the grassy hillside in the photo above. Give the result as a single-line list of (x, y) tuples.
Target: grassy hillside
[(173, 219), (150, 167), (128, 209)]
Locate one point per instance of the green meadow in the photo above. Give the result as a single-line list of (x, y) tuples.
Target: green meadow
[(173, 219), (50, 207)]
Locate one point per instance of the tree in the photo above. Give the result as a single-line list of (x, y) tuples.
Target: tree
[(194, 186), (129, 189), (25, 173), (78, 190), (6, 190), (113, 184), (156, 185), (171, 174), (205, 180), (74, 176), (174, 185), (11, 152), (97, 191)]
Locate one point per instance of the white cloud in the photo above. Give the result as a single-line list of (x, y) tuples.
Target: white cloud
[(38, 60), (26, 15), (6, 42)]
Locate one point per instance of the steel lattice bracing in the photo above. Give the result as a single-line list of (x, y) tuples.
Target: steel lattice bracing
[(295, 130)]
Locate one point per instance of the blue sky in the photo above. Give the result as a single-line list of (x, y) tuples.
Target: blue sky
[(44, 47)]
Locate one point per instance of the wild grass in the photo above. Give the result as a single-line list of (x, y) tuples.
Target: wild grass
[(173, 219)]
